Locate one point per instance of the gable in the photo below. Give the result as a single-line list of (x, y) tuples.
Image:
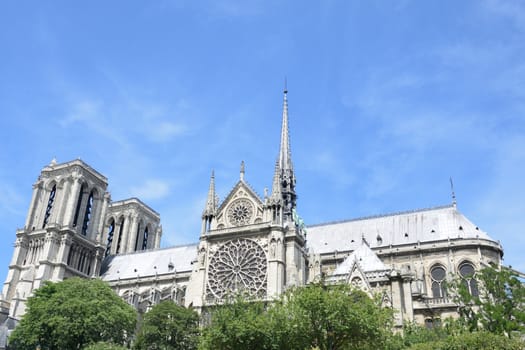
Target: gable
[(241, 207)]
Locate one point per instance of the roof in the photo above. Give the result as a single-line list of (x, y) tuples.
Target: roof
[(424, 225), (367, 260), (147, 263)]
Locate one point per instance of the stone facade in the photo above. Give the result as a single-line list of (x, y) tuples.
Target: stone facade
[(250, 244)]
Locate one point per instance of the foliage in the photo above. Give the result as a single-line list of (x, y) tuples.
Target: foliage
[(71, 314), (480, 340), (499, 308), (315, 316), (338, 317), (104, 346), (169, 326)]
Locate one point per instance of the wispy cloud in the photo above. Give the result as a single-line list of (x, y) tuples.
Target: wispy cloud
[(151, 189), (11, 202)]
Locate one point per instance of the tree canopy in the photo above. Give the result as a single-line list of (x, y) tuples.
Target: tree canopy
[(315, 316), (500, 305), (72, 314), (169, 326)]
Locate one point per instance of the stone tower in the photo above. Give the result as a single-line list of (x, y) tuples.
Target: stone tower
[(62, 233), (250, 245)]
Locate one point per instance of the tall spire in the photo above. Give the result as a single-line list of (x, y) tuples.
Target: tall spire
[(285, 155), (283, 187), (454, 202), (211, 201)]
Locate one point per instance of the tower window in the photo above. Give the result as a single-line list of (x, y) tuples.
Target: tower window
[(50, 202), (79, 204), (145, 240), (111, 231), (437, 275), (137, 238), (87, 214), (467, 272), (120, 233)]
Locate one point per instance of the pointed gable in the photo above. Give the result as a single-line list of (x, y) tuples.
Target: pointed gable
[(242, 206), (360, 267)]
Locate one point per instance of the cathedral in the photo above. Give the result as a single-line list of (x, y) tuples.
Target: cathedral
[(247, 244)]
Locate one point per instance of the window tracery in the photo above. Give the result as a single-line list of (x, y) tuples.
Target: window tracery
[(240, 212), (437, 276), (238, 266), (467, 273)]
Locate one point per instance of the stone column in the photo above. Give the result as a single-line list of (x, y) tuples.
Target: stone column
[(34, 199)]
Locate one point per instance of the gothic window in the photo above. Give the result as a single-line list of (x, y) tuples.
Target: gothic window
[(120, 233), (111, 231), (467, 272), (79, 204), (145, 240), (137, 237), (437, 276), (87, 214), (49, 205), (237, 266)]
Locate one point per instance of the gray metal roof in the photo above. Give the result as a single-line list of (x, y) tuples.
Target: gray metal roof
[(424, 225), (149, 263)]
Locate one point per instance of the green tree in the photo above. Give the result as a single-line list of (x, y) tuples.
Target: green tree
[(340, 317), (71, 314), (104, 346), (499, 307), (479, 340), (169, 326), (315, 316)]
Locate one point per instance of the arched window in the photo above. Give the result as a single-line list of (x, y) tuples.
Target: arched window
[(137, 238), (145, 240), (111, 231), (120, 233), (49, 205), (467, 272), (437, 275), (79, 204), (87, 214)]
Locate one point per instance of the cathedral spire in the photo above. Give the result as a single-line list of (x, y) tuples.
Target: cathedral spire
[(285, 153), (283, 187), (211, 201)]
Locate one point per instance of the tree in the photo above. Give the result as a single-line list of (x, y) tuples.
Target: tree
[(104, 346), (340, 317), (499, 307), (315, 316), (71, 314), (169, 326)]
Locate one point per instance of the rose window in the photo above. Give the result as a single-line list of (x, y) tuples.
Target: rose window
[(238, 266), (240, 212)]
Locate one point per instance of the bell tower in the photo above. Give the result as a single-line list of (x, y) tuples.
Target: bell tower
[(62, 233)]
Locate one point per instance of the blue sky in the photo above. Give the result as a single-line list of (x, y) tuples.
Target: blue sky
[(388, 100)]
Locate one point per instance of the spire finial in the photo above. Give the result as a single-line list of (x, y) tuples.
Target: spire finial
[(454, 203), (242, 170), (285, 86), (285, 160), (211, 201)]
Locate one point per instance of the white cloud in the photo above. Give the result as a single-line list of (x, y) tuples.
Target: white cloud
[(151, 189), (11, 201), (164, 131)]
